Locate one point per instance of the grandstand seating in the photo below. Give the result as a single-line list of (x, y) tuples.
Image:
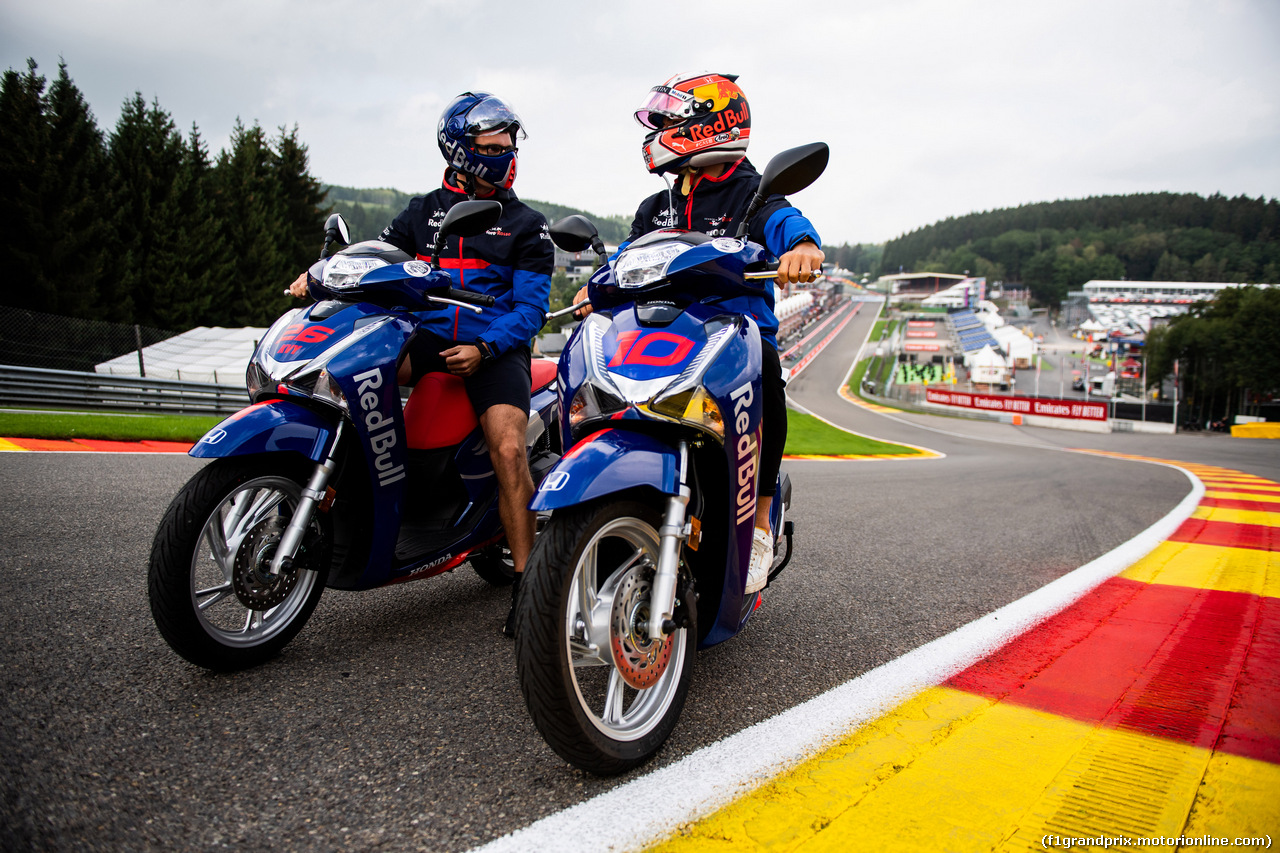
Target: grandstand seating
[(970, 332)]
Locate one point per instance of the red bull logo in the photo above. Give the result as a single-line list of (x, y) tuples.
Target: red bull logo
[(727, 119)]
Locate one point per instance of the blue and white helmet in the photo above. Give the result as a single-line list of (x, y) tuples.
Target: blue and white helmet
[(472, 114)]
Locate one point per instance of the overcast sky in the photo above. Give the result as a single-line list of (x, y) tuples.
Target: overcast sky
[(932, 108)]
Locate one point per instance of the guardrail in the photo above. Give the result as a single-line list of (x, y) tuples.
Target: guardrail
[(31, 386)]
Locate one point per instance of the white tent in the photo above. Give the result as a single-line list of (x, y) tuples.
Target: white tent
[(986, 366), (1019, 347), (793, 304), (203, 354)]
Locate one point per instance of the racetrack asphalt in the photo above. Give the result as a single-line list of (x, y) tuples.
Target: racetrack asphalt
[(393, 721)]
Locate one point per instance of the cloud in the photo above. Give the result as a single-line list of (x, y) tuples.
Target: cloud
[(932, 108)]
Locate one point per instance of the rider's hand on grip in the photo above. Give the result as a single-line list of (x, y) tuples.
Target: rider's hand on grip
[(803, 263)]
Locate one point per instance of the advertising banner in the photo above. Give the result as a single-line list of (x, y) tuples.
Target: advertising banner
[(1053, 408)]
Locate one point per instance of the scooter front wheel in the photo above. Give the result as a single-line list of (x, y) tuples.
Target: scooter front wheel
[(604, 696), (212, 593)]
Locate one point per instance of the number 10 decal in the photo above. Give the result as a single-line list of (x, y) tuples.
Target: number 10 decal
[(657, 349)]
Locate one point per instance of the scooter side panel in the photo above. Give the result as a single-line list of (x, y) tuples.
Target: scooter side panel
[(270, 427), (607, 462)]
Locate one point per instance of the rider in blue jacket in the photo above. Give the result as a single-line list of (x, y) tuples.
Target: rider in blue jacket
[(478, 136), (699, 126)]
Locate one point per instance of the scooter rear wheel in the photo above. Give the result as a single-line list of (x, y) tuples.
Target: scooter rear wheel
[(581, 648), (211, 595)]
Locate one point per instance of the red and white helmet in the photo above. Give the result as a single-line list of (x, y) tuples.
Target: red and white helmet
[(695, 120)]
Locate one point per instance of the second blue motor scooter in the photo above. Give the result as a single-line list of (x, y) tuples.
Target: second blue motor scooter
[(645, 556)]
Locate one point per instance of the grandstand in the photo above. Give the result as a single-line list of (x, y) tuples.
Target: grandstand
[(970, 332)]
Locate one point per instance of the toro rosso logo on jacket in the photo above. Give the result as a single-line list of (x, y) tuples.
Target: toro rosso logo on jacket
[(381, 429)]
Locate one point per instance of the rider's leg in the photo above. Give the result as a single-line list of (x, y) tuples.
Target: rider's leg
[(501, 395), (504, 431)]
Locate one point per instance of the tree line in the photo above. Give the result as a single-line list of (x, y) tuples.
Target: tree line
[(142, 225), (368, 211), (1227, 352), (1055, 247)]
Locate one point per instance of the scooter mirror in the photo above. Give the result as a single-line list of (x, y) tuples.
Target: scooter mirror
[(794, 169), (788, 172), (574, 233), (469, 218), (466, 219), (335, 231)]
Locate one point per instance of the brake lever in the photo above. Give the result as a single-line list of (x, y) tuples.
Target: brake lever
[(569, 310), (441, 299)]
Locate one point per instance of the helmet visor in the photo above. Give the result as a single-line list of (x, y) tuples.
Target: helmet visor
[(663, 105), (493, 114)]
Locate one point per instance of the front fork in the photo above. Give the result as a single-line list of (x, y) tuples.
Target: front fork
[(670, 536), (312, 494)]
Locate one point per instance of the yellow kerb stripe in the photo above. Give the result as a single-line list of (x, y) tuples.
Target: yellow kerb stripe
[(1245, 570), (1273, 497), (1237, 516), (952, 771)]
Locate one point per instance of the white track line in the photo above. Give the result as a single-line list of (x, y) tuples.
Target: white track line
[(652, 807)]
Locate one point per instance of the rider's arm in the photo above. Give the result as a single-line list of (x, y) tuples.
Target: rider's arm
[(530, 292), (793, 240), (785, 228)]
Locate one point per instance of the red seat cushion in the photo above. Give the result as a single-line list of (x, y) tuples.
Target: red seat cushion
[(438, 413), (542, 372)]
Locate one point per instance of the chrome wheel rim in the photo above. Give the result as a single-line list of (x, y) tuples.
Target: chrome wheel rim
[(236, 522), (605, 574)]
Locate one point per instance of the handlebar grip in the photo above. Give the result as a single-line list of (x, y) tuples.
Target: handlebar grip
[(470, 296)]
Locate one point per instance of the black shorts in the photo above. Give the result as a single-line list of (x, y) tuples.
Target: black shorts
[(506, 379)]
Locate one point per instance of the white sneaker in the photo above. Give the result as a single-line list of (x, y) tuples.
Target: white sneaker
[(761, 561)]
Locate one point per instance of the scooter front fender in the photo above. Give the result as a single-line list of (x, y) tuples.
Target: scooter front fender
[(606, 462), (269, 427)]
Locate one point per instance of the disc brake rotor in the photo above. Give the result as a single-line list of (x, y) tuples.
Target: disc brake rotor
[(639, 660), (254, 584)]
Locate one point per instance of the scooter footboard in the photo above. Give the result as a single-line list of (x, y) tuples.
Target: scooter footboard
[(274, 426), (606, 462)]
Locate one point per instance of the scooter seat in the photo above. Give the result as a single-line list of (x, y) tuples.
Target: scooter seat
[(542, 373), (439, 413)]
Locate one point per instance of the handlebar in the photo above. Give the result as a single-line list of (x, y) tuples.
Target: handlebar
[(569, 310), (771, 271), (469, 296)]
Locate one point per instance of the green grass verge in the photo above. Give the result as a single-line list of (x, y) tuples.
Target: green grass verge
[(106, 426), (809, 436), (806, 435)]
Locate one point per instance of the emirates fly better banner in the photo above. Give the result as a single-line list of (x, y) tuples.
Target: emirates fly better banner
[(1073, 409)]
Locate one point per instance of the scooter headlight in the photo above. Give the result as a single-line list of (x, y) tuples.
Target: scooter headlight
[(343, 272), (638, 267)]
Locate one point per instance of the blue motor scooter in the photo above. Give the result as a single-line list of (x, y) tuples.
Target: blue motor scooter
[(327, 478), (645, 556)]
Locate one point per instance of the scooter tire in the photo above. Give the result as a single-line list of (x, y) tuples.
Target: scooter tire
[(184, 556), (493, 564), (587, 735)]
